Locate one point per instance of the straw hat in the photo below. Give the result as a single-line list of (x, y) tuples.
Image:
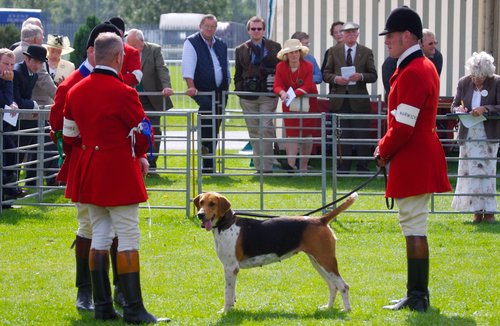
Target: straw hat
[(59, 42), (290, 46)]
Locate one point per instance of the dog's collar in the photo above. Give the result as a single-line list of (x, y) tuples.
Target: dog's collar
[(226, 221)]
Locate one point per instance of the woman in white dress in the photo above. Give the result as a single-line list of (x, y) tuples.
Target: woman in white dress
[(478, 94), (57, 46)]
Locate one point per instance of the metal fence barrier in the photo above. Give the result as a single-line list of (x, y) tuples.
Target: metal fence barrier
[(179, 161)]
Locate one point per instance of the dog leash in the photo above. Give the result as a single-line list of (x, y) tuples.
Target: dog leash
[(361, 186), (390, 205)]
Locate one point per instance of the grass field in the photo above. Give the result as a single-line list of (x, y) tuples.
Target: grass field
[(182, 277)]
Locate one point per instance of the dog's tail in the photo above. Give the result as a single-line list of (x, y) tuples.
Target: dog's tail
[(331, 215)]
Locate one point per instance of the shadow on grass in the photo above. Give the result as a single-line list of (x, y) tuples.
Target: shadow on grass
[(434, 317), (485, 227), (236, 317), (19, 213), (163, 181), (87, 318)]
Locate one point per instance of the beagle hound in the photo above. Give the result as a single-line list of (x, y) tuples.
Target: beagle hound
[(246, 243)]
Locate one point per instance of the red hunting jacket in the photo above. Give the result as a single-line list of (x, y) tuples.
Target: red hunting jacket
[(56, 119), (131, 72), (105, 110), (417, 161)]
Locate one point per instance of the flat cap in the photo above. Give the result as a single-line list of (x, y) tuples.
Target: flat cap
[(349, 26)]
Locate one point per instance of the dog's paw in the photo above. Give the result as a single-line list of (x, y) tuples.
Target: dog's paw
[(225, 310), (324, 307)]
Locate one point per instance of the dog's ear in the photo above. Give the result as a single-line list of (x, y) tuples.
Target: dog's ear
[(196, 201), (224, 205)]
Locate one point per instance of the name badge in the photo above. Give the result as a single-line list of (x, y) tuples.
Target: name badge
[(70, 129), (406, 114)]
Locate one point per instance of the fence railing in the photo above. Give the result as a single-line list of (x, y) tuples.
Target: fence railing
[(180, 169)]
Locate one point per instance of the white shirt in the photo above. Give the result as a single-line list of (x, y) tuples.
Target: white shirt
[(189, 59), (353, 52)]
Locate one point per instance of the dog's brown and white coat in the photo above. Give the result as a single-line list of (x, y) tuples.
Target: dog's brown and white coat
[(246, 243)]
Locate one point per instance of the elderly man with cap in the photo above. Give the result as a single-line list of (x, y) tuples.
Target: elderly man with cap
[(131, 72), (411, 145), (84, 231), (358, 60)]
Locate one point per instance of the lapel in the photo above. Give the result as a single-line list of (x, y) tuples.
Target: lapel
[(393, 77), (146, 53), (246, 55), (341, 54), (30, 80), (359, 53), (469, 89), (404, 63), (489, 87)]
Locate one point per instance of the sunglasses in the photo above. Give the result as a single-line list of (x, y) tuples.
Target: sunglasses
[(256, 29)]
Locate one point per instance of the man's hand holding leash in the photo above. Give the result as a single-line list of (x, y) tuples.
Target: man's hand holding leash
[(381, 163)]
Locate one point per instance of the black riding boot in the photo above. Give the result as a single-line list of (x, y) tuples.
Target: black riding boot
[(117, 292), (83, 282), (134, 311), (417, 295), (99, 269)]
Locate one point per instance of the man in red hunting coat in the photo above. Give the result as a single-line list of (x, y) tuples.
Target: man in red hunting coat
[(104, 117), (411, 145)]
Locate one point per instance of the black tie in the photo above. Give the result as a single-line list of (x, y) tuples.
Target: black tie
[(348, 59)]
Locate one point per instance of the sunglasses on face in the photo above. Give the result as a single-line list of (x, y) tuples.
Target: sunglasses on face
[(256, 29)]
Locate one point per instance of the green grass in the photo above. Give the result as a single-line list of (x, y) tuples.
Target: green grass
[(182, 278)]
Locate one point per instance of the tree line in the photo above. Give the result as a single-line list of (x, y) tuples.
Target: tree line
[(133, 11)]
